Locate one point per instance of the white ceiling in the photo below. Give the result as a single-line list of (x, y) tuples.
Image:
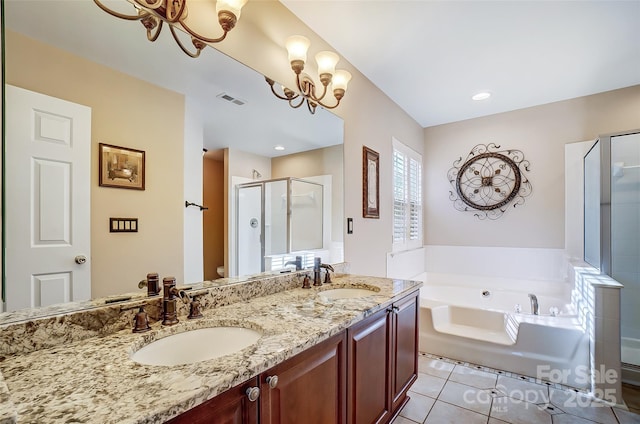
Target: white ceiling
[(430, 57), (259, 125)]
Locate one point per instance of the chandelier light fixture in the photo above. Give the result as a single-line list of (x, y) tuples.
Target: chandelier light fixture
[(154, 13), (297, 47)]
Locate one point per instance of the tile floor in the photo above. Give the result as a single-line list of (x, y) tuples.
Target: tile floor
[(447, 391)]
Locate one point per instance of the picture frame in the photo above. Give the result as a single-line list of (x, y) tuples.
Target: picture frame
[(121, 167), (370, 183)]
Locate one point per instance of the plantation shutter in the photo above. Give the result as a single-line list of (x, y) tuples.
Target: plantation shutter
[(407, 197)]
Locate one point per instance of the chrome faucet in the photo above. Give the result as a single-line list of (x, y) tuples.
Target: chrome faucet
[(534, 304), (297, 263)]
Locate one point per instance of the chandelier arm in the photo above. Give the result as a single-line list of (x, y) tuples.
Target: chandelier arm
[(200, 37), (308, 88), (312, 107), (324, 93), (184, 49), (273, 90), (329, 107), (118, 14), (156, 5), (178, 15), (303, 85), (302, 99), (153, 37)]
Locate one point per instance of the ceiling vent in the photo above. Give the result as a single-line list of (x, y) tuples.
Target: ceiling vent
[(225, 96)]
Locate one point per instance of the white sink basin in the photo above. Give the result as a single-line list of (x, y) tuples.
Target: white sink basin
[(346, 293), (196, 345)]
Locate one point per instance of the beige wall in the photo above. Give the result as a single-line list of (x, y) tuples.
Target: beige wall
[(541, 133), (327, 161), (119, 261), (213, 218)]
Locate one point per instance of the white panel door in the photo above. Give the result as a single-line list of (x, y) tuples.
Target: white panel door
[(47, 204)]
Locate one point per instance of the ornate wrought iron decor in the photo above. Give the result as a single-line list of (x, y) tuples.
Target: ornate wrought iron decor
[(488, 180)]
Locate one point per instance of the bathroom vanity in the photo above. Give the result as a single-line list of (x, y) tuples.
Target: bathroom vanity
[(320, 358)]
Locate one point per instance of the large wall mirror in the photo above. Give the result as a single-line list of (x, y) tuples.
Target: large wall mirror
[(151, 97)]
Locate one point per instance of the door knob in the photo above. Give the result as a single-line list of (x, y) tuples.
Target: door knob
[(80, 259)]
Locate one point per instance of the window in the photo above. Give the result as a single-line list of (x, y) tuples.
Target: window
[(407, 197)]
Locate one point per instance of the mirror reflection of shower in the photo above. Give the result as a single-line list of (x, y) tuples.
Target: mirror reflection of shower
[(280, 219)]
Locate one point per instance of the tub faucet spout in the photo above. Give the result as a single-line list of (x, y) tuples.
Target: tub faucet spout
[(534, 303)]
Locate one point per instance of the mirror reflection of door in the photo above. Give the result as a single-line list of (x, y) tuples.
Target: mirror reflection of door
[(213, 218), (48, 244), (250, 249)]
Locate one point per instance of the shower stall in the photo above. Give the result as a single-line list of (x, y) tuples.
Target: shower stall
[(612, 231), (276, 220)]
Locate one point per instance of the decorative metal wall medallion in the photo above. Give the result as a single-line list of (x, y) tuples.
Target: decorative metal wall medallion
[(488, 180)]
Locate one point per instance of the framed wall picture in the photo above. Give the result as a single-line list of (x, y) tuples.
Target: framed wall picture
[(370, 183), (120, 167)]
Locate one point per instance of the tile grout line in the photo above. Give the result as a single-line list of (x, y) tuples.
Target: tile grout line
[(505, 373), (498, 373)]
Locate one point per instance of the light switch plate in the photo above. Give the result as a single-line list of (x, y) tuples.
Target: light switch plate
[(123, 225)]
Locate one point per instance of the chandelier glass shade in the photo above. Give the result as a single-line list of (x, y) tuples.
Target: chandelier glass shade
[(154, 13), (307, 91)]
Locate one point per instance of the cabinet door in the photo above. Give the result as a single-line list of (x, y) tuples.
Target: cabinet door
[(230, 407), (369, 381), (405, 347), (311, 387)]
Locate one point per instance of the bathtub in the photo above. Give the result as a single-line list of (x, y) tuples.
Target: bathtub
[(478, 323)]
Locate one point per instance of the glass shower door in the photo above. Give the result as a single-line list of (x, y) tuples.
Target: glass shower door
[(625, 238)]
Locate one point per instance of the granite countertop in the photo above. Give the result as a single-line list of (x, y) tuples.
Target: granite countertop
[(95, 381)]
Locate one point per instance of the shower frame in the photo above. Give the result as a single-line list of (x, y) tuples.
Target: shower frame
[(604, 265), (630, 371), (262, 185)]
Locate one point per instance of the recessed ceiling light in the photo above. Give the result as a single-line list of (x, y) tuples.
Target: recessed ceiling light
[(279, 147), (482, 96)]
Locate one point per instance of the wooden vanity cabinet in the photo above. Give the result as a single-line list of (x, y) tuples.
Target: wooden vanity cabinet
[(360, 376), (310, 387), (230, 407), (404, 348), (382, 362)]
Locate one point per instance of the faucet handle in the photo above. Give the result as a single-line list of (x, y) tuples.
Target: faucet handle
[(141, 322), (194, 310), (306, 282), (327, 274)]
